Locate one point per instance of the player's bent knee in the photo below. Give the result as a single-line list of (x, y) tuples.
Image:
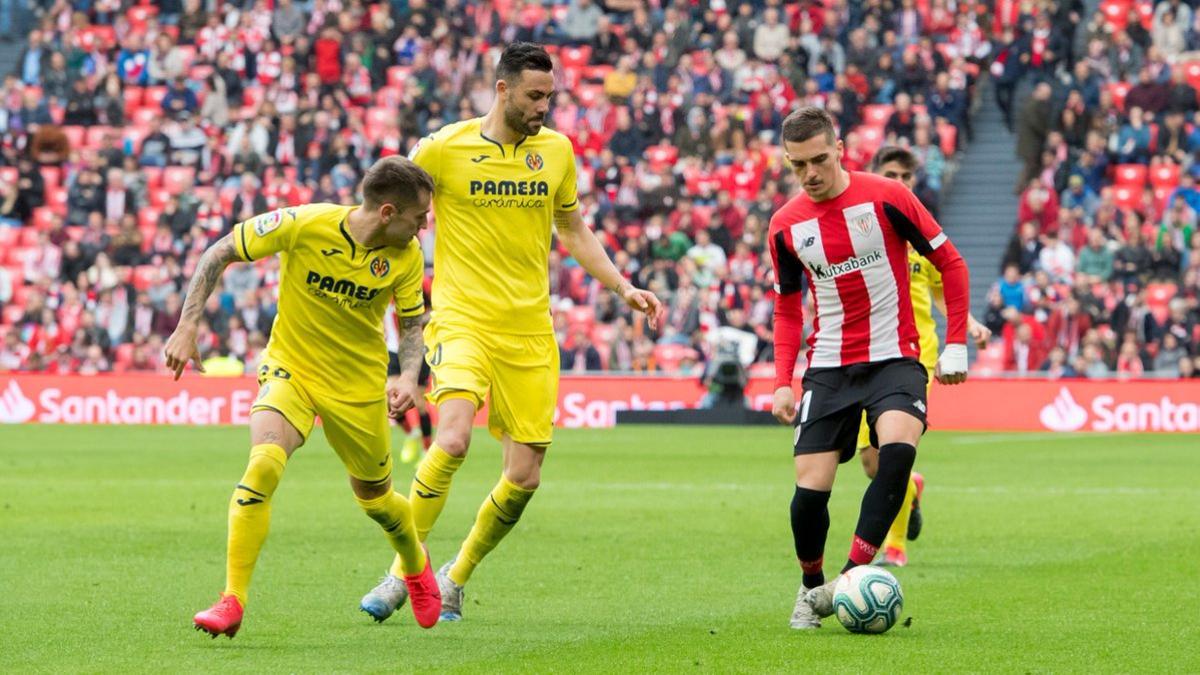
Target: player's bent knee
[(455, 442), (370, 489)]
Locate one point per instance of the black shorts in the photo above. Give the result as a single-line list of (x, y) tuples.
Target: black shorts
[(394, 369), (834, 399)]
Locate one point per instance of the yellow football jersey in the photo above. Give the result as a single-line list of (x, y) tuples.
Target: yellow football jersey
[(333, 293), (925, 280), (495, 205)]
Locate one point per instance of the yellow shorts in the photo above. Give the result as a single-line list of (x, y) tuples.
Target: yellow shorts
[(358, 432), (518, 372), (864, 431)]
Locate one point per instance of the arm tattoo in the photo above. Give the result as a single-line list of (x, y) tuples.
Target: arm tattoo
[(208, 272), (412, 344)]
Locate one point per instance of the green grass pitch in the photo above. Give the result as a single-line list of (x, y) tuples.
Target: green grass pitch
[(647, 549)]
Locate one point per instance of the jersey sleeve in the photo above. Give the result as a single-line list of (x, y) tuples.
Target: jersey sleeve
[(427, 154), (407, 291), (567, 197), (912, 221), (789, 307), (267, 234)]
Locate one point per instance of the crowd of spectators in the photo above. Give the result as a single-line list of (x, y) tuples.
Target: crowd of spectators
[(132, 135), (1102, 276)]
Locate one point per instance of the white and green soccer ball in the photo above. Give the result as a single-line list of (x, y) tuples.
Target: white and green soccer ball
[(867, 599)]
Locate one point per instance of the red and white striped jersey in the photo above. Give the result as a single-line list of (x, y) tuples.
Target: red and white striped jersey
[(852, 250)]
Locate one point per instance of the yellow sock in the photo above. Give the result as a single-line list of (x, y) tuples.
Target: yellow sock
[(430, 487), (250, 516), (499, 513), (394, 515), (897, 536)]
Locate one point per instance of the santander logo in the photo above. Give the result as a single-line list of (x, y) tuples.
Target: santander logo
[(1063, 413), (15, 406), (1106, 412)]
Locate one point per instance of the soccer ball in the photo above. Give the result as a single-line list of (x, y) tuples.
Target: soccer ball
[(867, 599)]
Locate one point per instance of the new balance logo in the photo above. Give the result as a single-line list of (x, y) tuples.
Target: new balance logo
[(330, 251), (480, 158), (249, 502)]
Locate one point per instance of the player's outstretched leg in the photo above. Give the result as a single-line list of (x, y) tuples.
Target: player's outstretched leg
[(393, 513), (249, 521)]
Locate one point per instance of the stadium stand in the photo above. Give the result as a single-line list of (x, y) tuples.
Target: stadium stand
[(1102, 274), (135, 133)]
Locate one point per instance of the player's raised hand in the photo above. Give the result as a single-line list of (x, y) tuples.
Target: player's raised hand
[(181, 348), (402, 395), (784, 405), (978, 332), (644, 302), (952, 365)]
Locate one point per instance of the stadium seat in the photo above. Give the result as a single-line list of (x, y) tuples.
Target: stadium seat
[(9, 236), (1127, 197), (144, 276), (96, 135), (871, 138), (1158, 298), (148, 218), (1165, 176), (144, 115), (1116, 13), (668, 356), (581, 316), (153, 176), (990, 360), (133, 99), (75, 135), (1191, 72), (661, 156), (1130, 175), (43, 217), (948, 136), (397, 76), (153, 96), (8, 174), (51, 176), (29, 237), (56, 200), (877, 115), (134, 136), (575, 57), (176, 178), (12, 312), (1119, 90)]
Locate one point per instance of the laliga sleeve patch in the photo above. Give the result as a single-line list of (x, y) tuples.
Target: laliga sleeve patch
[(267, 223)]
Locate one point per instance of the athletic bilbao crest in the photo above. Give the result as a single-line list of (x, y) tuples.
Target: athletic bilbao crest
[(380, 267), (861, 219), (533, 161)]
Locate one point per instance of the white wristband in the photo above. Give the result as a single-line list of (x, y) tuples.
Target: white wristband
[(953, 359)]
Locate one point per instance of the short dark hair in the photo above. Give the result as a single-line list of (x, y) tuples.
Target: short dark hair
[(520, 56), (396, 180), (893, 153), (806, 122)]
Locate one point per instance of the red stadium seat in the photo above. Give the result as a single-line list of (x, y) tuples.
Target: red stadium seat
[(948, 133), (1165, 175), (662, 155), (148, 218), (871, 138), (588, 94), (56, 200), (575, 57), (388, 97), (1128, 197), (1161, 194), (13, 311), (8, 174), (1191, 72), (1131, 175), (153, 176), (133, 99), (877, 115), (96, 135), (178, 178), (75, 135), (43, 217), (581, 316), (1116, 13), (144, 276), (153, 96), (1119, 90), (668, 356), (159, 197), (143, 116), (397, 76), (9, 236), (1158, 297), (134, 135)]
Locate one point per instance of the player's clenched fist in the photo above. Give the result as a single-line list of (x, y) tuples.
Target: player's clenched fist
[(402, 395), (784, 405), (952, 366), (181, 348)]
